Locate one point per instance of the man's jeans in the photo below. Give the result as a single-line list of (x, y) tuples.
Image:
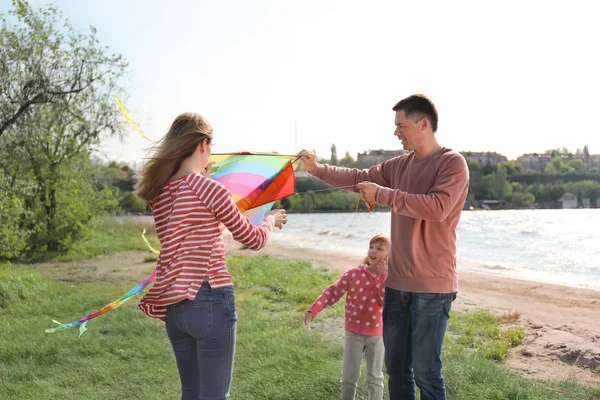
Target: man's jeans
[(202, 333), (414, 325)]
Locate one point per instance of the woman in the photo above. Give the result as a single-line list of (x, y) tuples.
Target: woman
[(193, 292)]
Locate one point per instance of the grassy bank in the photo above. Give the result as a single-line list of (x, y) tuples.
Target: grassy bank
[(127, 355), (107, 235)]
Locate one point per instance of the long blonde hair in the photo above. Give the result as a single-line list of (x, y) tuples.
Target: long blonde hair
[(380, 238), (186, 133)]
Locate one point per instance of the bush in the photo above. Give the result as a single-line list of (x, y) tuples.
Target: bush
[(522, 199), (13, 240), (130, 203)]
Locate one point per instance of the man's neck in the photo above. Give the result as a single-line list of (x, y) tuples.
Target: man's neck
[(427, 149)]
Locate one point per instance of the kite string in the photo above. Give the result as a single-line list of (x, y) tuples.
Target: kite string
[(354, 213), (339, 242)]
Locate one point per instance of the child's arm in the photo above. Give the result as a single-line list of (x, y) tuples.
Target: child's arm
[(330, 296)]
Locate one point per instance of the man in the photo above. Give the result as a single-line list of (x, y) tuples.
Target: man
[(426, 190)]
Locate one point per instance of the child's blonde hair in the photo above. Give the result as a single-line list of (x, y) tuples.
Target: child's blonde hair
[(379, 238)]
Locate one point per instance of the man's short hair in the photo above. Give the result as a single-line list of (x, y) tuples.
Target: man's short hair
[(418, 106)]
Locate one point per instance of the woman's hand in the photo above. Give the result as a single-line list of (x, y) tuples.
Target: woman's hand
[(280, 217)]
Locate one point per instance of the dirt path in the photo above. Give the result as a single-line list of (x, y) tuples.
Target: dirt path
[(119, 267)]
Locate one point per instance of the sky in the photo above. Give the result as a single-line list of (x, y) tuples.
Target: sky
[(512, 76)]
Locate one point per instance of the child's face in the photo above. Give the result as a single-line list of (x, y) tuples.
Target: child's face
[(378, 251)]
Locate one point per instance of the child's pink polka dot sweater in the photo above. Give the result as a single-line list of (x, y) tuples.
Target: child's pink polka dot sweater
[(364, 300)]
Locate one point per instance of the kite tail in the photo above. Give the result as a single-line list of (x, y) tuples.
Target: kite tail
[(152, 249), (134, 291), (82, 322), (130, 120)]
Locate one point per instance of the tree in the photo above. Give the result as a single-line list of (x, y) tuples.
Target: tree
[(44, 61), (559, 151), (333, 155), (577, 164), (13, 239), (522, 199), (476, 182), (55, 105), (488, 169), (347, 161), (130, 203), (558, 166), (499, 185), (551, 169), (517, 187), (511, 167)]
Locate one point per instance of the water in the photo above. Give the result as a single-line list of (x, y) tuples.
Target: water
[(555, 246)]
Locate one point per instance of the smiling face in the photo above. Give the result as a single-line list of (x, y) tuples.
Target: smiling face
[(379, 250), (410, 130)]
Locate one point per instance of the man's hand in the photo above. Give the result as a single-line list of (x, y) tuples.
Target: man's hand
[(368, 191), (309, 160)]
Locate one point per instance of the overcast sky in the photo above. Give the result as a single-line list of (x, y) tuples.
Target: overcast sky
[(510, 76)]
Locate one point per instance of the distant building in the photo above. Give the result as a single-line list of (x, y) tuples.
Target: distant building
[(586, 203), (484, 157), (568, 200), (534, 162), (373, 157), (492, 204), (592, 162), (537, 163)]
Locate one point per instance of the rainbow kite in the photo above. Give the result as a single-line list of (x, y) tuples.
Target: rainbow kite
[(256, 181)]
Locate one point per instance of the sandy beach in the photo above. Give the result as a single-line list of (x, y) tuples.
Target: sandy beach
[(562, 323)]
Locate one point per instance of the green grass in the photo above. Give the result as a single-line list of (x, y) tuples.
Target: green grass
[(108, 235), (480, 333), (125, 354), (122, 356)]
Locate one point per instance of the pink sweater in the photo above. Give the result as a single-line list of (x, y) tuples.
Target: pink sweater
[(426, 196), (364, 300)]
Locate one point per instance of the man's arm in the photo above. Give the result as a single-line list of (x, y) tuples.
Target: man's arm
[(346, 178), (438, 202)]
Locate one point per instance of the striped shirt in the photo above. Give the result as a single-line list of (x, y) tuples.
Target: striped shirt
[(189, 215)]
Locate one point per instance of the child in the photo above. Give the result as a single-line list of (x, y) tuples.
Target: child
[(364, 286)]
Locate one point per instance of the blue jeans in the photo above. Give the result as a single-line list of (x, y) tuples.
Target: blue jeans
[(202, 333), (414, 325)]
